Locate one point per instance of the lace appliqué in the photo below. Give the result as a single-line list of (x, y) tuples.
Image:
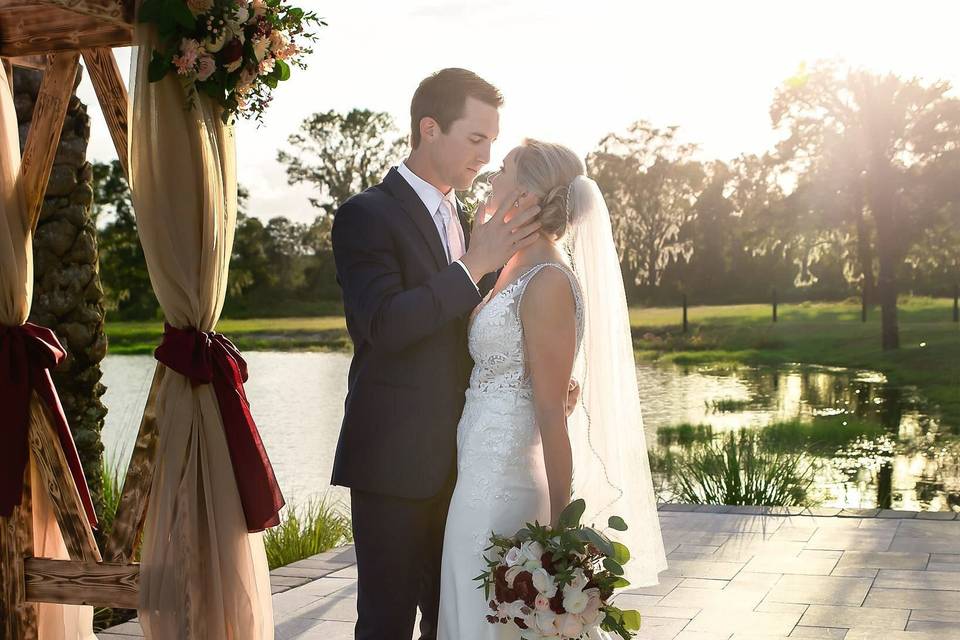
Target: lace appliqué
[(498, 425)]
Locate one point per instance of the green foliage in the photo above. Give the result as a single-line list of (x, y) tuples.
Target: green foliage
[(341, 154), (571, 546), (822, 434), (684, 434), (306, 531), (737, 471)]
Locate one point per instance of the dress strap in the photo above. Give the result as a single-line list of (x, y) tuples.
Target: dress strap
[(526, 278)]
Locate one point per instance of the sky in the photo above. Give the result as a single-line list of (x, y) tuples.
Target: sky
[(572, 72)]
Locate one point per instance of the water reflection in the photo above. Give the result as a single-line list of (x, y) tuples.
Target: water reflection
[(910, 460)]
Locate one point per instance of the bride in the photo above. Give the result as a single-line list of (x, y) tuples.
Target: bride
[(557, 311)]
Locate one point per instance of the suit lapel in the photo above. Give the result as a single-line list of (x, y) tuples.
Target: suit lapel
[(417, 212)]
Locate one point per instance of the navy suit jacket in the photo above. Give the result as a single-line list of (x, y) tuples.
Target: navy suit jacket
[(406, 311)]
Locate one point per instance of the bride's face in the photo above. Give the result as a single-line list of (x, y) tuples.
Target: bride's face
[(503, 182)]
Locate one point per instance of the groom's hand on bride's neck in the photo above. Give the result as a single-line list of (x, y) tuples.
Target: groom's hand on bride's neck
[(512, 227)]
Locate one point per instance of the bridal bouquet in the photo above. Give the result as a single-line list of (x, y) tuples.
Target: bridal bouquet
[(557, 583), (235, 51)]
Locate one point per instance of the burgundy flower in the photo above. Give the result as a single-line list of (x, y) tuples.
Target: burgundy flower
[(520, 623), (523, 586), (232, 51), (556, 603), (492, 619), (547, 561), (493, 605)]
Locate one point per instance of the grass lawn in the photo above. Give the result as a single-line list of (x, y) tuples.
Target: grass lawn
[(324, 333), (816, 333)]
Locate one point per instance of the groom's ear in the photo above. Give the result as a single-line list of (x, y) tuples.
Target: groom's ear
[(429, 128)]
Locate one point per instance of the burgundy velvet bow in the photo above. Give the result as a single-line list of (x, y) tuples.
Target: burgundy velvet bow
[(208, 357), (27, 353)]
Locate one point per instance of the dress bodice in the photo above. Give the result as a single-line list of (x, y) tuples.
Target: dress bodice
[(496, 336)]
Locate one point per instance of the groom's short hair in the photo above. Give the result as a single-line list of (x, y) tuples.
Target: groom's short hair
[(443, 97)]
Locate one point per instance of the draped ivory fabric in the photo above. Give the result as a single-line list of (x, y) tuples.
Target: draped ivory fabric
[(203, 576), (55, 622)]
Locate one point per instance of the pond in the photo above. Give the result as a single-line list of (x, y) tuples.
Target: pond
[(883, 445)]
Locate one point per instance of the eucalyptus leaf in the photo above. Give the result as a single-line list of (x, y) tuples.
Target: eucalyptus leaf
[(631, 620), (570, 516), (616, 523), (598, 541), (612, 566), (620, 553)]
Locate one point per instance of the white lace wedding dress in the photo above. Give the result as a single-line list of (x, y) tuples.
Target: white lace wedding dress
[(502, 481)]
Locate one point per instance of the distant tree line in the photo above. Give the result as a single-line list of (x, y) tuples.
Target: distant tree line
[(860, 198)]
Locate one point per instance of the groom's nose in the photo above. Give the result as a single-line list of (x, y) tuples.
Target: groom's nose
[(484, 156)]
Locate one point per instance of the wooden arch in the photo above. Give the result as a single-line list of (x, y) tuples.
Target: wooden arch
[(52, 35)]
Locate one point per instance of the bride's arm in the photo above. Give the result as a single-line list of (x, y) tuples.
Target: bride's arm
[(549, 326)]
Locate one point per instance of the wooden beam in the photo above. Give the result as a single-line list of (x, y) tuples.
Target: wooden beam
[(45, 129), (116, 11), (132, 510), (58, 481), (112, 95), (32, 30), (30, 62), (18, 617), (98, 584)]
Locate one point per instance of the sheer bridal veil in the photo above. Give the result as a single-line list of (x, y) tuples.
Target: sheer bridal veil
[(611, 471)]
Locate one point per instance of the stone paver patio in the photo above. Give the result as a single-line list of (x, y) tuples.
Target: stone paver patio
[(735, 572)]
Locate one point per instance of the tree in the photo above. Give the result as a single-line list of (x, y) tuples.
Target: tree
[(891, 135), (651, 184), (123, 267), (342, 154)]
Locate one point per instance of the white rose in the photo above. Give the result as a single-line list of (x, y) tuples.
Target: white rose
[(569, 625), (574, 600), (214, 45), (511, 610), (544, 582), (531, 551), (541, 603), (513, 557), (579, 579), (243, 14), (591, 614), (546, 622), (512, 574)]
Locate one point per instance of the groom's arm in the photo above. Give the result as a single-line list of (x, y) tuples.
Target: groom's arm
[(389, 316)]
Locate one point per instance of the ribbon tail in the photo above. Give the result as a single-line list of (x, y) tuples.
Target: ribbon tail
[(259, 491), (43, 385)]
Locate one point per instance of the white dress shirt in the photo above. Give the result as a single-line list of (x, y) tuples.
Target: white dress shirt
[(433, 199)]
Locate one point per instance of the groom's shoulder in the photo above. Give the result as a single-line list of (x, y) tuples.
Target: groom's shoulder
[(370, 202)]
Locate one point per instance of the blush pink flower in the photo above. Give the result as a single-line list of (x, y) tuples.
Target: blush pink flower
[(206, 65)]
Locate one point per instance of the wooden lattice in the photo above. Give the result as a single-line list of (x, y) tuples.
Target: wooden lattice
[(53, 35)]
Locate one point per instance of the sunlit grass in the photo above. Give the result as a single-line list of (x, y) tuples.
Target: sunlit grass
[(738, 471), (306, 531)]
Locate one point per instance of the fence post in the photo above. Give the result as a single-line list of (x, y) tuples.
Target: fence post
[(685, 324), (774, 304), (956, 303)]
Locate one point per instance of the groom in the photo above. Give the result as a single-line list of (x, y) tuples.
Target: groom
[(411, 272)]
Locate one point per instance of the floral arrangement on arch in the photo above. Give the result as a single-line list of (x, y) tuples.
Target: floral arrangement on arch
[(234, 51), (558, 583)]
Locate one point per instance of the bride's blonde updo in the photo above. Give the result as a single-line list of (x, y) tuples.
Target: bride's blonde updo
[(547, 169)]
